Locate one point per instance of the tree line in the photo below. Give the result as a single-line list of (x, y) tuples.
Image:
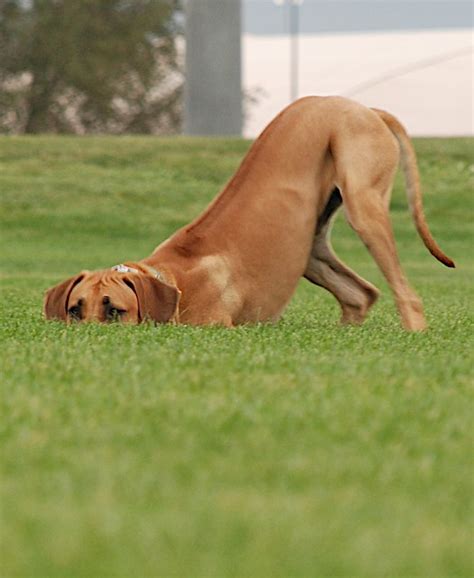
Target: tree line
[(90, 66)]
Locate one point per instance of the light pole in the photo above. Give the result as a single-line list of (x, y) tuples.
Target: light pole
[(212, 92), (294, 21)]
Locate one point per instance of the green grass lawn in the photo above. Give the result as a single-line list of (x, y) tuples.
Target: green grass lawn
[(298, 449)]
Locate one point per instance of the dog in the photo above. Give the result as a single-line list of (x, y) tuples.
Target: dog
[(240, 261)]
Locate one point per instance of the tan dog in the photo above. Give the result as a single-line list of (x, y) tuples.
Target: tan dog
[(241, 260)]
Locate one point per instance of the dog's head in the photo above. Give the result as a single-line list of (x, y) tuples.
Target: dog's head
[(128, 293)]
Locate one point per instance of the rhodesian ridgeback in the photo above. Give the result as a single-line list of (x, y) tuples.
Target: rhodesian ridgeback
[(240, 261)]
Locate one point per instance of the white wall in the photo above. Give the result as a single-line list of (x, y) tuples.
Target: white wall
[(423, 77)]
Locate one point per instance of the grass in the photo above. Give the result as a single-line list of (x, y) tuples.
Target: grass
[(299, 449)]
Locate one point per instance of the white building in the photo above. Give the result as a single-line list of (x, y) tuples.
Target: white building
[(411, 57)]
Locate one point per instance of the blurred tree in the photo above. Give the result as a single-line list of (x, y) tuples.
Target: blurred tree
[(89, 66)]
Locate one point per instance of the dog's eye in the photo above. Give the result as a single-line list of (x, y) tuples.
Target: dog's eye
[(75, 312), (114, 314)]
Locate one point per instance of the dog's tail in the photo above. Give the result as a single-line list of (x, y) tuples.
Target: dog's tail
[(412, 182)]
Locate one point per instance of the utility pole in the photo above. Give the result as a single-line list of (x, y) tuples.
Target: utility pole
[(213, 93), (294, 30)]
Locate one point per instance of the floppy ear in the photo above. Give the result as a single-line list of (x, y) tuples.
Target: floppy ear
[(156, 300), (56, 298)]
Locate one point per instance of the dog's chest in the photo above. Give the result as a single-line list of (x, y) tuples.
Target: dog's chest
[(223, 284)]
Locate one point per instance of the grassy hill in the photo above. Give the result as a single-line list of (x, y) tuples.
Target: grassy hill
[(298, 449)]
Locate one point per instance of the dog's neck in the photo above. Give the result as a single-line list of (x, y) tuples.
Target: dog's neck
[(141, 268)]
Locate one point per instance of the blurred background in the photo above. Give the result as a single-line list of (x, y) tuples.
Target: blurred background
[(226, 67)]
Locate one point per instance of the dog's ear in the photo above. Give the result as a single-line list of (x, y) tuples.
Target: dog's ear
[(56, 298), (157, 300)]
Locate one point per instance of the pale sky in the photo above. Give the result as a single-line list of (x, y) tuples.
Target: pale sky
[(325, 16)]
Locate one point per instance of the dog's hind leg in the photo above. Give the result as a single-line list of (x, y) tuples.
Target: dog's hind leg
[(355, 295), (365, 170), (368, 216)]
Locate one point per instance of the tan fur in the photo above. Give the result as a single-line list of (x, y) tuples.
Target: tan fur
[(240, 261)]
